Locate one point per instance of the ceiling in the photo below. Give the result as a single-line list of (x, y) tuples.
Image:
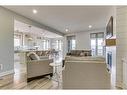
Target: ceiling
[(75, 18), (24, 28)]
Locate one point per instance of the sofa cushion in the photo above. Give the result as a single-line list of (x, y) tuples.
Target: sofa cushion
[(80, 53), (84, 58)]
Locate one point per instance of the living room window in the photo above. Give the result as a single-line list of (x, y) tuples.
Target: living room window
[(71, 43), (97, 43)]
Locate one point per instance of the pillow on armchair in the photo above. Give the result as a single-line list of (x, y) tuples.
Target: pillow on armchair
[(82, 54), (39, 53), (33, 56)]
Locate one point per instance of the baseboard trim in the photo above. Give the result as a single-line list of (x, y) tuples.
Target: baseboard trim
[(6, 73)]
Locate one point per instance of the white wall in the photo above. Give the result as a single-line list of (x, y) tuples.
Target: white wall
[(6, 42), (121, 34), (83, 40)]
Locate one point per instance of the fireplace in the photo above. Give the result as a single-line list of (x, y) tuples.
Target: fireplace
[(109, 60)]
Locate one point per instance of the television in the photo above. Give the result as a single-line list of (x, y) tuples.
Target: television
[(109, 28)]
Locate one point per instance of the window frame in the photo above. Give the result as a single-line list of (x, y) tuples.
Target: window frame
[(96, 42)]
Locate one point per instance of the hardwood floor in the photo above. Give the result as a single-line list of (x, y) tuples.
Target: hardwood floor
[(19, 82)]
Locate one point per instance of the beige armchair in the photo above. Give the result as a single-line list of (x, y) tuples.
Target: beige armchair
[(38, 68)]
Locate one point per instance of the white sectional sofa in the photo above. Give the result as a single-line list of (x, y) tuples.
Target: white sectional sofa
[(85, 73)]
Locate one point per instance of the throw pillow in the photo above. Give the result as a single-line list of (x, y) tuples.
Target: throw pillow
[(33, 56), (82, 54)]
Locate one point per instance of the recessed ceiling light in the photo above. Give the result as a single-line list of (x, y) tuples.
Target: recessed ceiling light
[(90, 26), (34, 11), (66, 30)]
